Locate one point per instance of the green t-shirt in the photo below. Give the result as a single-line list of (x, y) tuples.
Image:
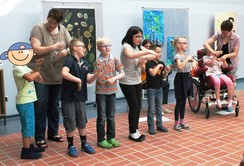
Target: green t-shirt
[(26, 90)]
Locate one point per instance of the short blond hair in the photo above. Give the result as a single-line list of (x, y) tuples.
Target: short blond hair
[(101, 40)]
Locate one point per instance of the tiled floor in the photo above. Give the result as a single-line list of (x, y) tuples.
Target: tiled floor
[(218, 140)]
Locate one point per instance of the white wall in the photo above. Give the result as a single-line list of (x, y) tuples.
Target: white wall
[(118, 16)]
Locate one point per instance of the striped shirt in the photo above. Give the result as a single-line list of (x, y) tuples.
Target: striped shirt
[(102, 87)]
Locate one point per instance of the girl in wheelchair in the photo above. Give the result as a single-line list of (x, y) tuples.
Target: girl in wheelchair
[(214, 65)]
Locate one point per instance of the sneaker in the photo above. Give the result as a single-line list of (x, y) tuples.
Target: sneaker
[(178, 128), (87, 148), (162, 129), (185, 126), (166, 111), (114, 142), (72, 151), (104, 144)]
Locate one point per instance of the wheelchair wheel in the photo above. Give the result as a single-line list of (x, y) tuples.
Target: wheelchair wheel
[(195, 101), (237, 109)]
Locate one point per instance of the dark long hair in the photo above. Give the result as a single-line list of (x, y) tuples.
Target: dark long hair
[(129, 36)]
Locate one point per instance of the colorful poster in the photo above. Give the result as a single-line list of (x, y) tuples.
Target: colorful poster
[(220, 17), (81, 25), (170, 50), (153, 26)]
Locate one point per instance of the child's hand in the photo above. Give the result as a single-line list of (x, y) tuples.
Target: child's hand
[(39, 79), (160, 68), (167, 69), (189, 58), (79, 85), (110, 81), (111, 65)]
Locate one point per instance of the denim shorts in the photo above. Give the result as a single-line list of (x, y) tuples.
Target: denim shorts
[(74, 115), (27, 119)]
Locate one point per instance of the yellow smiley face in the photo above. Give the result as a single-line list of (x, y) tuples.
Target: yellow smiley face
[(20, 57)]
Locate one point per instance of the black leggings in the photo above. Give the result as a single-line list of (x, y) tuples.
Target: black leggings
[(133, 94), (180, 108)]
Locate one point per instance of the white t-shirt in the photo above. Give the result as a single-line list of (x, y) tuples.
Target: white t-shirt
[(131, 68)]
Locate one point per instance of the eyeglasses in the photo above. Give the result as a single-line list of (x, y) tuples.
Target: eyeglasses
[(106, 46), (83, 46), (138, 36), (183, 43)]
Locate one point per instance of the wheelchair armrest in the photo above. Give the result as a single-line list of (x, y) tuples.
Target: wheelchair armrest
[(200, 70), (227, 69)]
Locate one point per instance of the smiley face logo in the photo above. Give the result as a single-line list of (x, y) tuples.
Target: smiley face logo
[(19, 54)]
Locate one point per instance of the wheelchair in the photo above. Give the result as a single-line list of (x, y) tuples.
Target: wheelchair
[(203, 89)]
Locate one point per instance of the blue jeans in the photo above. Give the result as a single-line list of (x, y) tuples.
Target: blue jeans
[(105, 113), (154, 99), (47, 106)]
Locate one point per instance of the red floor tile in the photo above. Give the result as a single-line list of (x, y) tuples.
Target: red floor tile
[(218, 140)]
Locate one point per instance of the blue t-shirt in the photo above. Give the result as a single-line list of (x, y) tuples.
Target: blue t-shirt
[(69, 88)]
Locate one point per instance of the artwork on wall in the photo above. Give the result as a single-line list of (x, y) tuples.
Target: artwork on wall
[(162, 25), (170, 50), (220, 17), (153, 26), (81, 25)]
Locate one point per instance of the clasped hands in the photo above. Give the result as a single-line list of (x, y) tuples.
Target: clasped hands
[(104, 68)]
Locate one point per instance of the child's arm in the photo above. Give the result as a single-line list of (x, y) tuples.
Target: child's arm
[(35, 73), (166, 72), (154, 71), (66, 75), (132, 55), (180, 65), (117, 77), (93, 77)]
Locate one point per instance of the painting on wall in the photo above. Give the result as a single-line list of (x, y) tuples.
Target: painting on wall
[(81, 25), (220, 17), (170, 51), (153, 26)]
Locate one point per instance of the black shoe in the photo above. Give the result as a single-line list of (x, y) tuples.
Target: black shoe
[(143, 137), (36, 149), (162, 129), (27, 153), (139, 139)]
